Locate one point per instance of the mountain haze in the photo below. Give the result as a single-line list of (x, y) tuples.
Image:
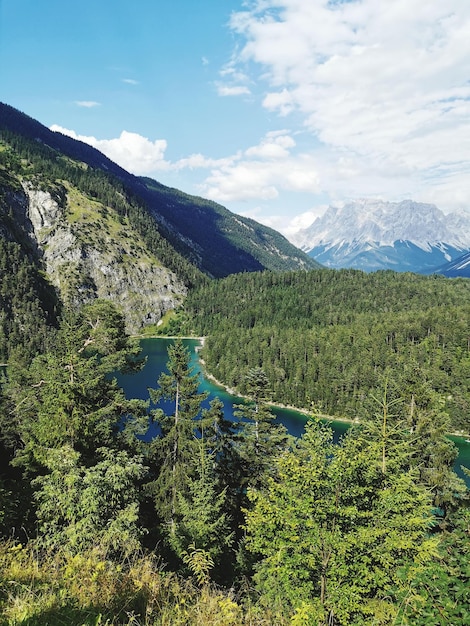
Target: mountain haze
[(372, 235)]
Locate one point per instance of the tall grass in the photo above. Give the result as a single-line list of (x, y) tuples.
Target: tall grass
[(44, 589)]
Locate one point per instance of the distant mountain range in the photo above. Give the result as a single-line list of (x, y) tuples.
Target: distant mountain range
[(402, 236)]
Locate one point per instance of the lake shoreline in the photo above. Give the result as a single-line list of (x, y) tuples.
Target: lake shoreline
[(306, 412), (233, 392)]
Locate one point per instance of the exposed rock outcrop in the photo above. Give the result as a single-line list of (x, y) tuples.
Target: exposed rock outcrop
[(89, 253)]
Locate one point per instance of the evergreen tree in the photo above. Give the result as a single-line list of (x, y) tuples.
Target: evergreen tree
[(336, 534), (81, 507), (257, 440), (201, 520), (65, 412), (175, 447)]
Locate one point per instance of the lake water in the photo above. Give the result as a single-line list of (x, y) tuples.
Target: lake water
[(156, 351)]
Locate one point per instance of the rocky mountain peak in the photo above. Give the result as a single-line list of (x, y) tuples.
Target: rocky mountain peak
[(344, 233)]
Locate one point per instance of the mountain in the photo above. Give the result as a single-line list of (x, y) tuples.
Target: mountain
[(460, 267), (96, 230), (211, 237), (372, 235)]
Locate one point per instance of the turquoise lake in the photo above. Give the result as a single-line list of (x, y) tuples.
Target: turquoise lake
[(156, 351)]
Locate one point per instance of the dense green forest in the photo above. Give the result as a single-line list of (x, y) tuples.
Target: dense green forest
[(329, 339), (214, 522)]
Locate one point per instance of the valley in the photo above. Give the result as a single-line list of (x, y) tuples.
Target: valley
[(167, 506)]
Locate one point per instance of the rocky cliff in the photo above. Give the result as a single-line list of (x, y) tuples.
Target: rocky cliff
[(88, 252)]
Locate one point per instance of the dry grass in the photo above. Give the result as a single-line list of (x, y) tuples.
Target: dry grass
[(91, 590)]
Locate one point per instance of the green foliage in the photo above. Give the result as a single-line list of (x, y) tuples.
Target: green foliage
[(67, 396), (257, 440), (28, 304), (201, 520), (199, 562), (439, 593), (332, 337), (173, 450), (70, 428), (80, 507), (336, 533)]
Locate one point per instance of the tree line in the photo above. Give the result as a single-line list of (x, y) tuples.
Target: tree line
[(329, 338)]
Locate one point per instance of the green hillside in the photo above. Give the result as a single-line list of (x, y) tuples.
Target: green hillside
[(331, 338)]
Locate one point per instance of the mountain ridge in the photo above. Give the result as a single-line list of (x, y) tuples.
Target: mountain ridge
[(96, 230), (374, 234), (174, 211)]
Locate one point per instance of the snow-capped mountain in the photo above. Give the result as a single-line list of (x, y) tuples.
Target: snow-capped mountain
[(373, 234), (458, 267)]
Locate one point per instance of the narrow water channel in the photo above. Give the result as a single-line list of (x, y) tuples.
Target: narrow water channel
[(156, 351)]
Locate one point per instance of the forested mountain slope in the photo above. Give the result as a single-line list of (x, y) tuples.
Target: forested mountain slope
[(85, 234), (329, 338), (212, 238)]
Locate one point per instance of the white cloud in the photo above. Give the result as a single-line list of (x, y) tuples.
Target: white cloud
[(130, 81), (303, 220), (238, 90), (131, 151), (275, 145), (234, 82), (261, 172), (87, 104), (384, 87)]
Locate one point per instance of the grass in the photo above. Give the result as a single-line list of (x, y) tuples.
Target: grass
[(89, 589), (90, 219)]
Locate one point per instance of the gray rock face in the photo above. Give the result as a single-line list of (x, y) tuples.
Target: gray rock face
[(88, 255)]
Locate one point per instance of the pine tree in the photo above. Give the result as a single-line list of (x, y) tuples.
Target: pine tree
[(174, 449), (258, 441), (336, 535)]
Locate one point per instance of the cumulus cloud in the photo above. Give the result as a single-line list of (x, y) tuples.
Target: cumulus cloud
[(262, 171), (384, 86), (141, 156), (131, 151)]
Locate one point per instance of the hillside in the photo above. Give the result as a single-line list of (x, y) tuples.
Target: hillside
[(212, 238), (85, 236)]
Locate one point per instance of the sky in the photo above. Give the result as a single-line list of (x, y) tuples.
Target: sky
[(273, 108)]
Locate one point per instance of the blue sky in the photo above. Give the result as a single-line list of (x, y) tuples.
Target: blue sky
[(274, 108)]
